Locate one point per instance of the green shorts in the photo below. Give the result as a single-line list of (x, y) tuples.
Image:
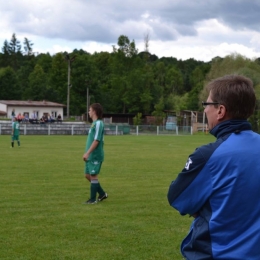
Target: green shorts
[(15, 137), (92, 167)]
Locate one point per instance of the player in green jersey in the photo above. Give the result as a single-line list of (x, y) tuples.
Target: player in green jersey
[(15, 132), (94, 153)]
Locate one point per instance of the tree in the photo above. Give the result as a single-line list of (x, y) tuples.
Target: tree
[(9, 88), (100, 77), (37, 89), (137, 119), (126, 47), (28, 47), (174, 82), (235, 64), (14, 45), (23, 74), (158, 112), (231, 64), (81, 70), (59, 78), (197, 82), (15, 52), (5, 57), (45, 61), (124, 64)]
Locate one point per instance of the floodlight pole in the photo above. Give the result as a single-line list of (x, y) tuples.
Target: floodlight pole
[(68, 92)]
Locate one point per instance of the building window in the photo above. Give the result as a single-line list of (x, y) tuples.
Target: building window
[(35, 114), (53, 114)]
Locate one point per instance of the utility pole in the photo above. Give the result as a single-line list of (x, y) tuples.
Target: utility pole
[(87, 105), (87, 98), (69, 60)]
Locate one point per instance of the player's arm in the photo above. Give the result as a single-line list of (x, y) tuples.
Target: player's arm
[(90, 150)]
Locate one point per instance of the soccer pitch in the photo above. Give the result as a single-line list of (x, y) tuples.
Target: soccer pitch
[(43, 187)]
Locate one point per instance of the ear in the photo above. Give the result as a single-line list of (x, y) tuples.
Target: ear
[(222, 113)]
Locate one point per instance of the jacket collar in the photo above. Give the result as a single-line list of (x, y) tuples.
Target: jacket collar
[(230, 126)]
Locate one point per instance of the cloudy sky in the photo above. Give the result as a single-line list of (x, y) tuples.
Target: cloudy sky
[(199, 29)]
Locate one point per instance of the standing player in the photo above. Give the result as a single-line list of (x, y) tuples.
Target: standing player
[(15, 132), (94, 153)]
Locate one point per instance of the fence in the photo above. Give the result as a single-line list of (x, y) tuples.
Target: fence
[(81, 128), (46, 129), (160, 130)]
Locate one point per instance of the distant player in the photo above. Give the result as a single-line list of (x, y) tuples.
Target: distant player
[(15, 132), (94, 154)]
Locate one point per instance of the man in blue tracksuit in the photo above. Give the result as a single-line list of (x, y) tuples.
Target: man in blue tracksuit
[(220, 183)]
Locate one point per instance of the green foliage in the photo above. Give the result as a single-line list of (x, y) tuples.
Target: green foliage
[(158, 112), (58, 79), (37, 89), (236, 64), (126, 47), (174, 82), (138, 119), (123, 81), (178, 103), (43, 186), (9, 84), (28, 47)]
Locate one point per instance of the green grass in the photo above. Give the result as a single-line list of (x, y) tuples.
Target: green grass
[(42, 188)]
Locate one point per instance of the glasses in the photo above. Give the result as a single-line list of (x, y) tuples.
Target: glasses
[(205, 104)]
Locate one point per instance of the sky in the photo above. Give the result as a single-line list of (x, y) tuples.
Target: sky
[(199, 29)]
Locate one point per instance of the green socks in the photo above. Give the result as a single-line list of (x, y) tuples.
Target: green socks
[(95, 188), (100, 190)]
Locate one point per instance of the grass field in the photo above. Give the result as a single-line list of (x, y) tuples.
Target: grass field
[(42, 189)]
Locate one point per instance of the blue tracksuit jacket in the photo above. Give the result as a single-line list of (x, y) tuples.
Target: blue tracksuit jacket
[(220, 184)]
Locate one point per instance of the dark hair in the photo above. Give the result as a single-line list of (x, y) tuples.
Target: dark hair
[(236, 93), (98, 109)]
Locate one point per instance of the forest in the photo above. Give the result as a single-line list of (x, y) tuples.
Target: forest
[(124, 80)]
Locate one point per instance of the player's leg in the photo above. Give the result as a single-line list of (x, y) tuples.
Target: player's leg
[(88, 168), (92, 170), (102, 194), (12, 141), (87, 176), (96, 188), (18, 140)]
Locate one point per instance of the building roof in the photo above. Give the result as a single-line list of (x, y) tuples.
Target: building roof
[(30, 103)]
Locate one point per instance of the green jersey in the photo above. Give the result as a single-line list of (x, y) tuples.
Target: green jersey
[(16, 128), (96, 132)]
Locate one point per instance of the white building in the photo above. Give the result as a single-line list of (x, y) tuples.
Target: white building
[(31, 108)]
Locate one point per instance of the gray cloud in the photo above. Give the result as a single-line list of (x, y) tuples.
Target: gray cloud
[(104, 21)]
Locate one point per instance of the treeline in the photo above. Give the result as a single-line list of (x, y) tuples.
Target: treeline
[(123, 81)]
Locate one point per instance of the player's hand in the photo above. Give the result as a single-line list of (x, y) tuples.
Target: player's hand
[(85, 156)]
